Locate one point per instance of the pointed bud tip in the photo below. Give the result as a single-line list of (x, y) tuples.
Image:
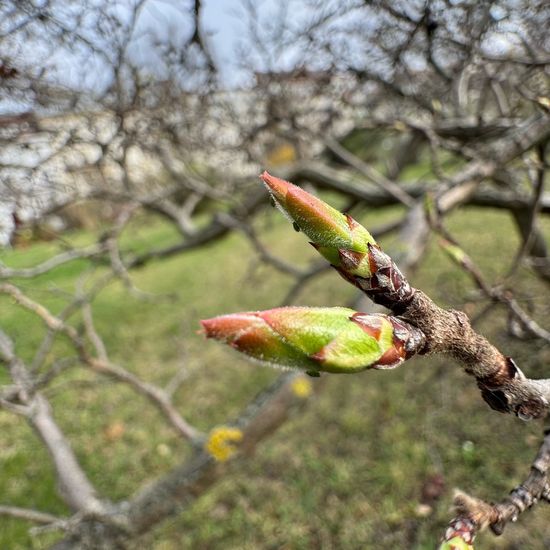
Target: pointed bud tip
[(205, 327), (277, 186), (226, 327)]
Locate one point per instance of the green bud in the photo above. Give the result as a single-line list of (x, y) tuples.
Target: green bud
[(323, 224), (345, 243), (318, 339)]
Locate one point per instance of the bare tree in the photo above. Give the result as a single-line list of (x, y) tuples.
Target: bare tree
[(105, 116)]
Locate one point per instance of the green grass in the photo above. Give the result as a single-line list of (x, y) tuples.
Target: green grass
[(346, 473)]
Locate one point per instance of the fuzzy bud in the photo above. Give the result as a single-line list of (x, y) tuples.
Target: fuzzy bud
[(318, 339), (344, 242)]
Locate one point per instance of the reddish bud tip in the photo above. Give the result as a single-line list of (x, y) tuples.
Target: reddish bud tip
[(227, 327), (277, 186)]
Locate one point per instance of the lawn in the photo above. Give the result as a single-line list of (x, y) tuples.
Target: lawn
[(348, 472)]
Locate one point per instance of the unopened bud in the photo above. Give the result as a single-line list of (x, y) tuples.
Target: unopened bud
[(344, 242), (318, 339)]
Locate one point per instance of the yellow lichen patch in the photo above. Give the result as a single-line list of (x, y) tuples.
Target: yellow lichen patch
[(301, 387), (220, 442), (456, 543)]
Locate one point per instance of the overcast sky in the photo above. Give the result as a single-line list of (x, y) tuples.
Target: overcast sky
[(225, 22)]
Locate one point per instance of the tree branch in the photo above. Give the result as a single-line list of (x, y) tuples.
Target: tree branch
[(74, 485), (181, 486), (75, 488), (28, 514), (53, 262), (102, 364), (177, 489), (474, 515)]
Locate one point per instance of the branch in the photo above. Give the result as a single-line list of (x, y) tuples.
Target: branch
[(28, 514), (343, 182), (51, 263), (160, 398), (51, 321), (177, 489), (181, 486), (503, 386), (356, 256), (102, 364), (215, 230), (529, 232), (370, 173), (75, 488), (503, 296), (156, 395), (264, 254), (533, 243), (474, 515)]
